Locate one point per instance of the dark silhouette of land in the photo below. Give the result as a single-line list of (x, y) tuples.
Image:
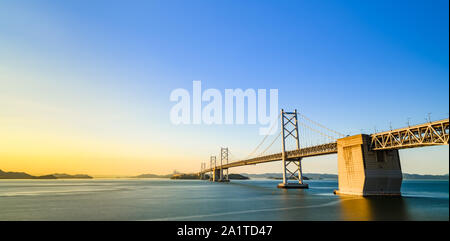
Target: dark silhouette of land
[(153, 176), (23, 175), (277, 176), (324, 176), (306, 176), (195, 176), (408, 176), (242, 176), (292, 178)]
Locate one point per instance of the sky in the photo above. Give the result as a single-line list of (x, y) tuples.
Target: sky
[(85, 85)]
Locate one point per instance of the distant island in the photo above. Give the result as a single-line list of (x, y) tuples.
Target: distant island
[(153, 176), (23, 175), (241, 176), (185, 176), (407, 176), (278, 176), (323, 176), (194, 176), (292, 178), (306, 176)]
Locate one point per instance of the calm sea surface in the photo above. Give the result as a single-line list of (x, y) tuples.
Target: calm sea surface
[(158, 199)]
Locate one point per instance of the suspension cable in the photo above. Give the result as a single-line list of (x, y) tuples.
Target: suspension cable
[(265, 137), (333, 138), (316, 123), (276, 138), (233, 157)]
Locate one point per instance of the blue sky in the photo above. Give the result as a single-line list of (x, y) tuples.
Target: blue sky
[(101, 72)]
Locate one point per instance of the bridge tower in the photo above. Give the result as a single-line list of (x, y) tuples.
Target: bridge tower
[(212, 167), (202, 169), (215, 171), (223, 160), (291, 166)]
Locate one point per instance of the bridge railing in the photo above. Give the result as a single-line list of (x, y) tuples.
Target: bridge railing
[(313, 150)]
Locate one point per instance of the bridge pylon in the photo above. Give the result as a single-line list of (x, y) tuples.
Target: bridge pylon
[(292, 167), (223, 160), (202, 169), (212, 167)]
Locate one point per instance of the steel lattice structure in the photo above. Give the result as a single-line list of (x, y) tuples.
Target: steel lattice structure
[(432, 133), (212, 166), (223, 160)]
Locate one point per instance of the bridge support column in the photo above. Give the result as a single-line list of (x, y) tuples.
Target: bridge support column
[(218, 175), (364, 172), (226, 178)]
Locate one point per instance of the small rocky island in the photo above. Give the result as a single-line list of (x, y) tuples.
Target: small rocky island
[(23, 175)]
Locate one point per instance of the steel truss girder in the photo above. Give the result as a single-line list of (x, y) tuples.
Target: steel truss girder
[(433, 133)]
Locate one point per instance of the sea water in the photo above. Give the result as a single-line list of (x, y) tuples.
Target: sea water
[(163, 199)]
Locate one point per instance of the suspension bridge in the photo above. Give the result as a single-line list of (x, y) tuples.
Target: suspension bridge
[(367, 164)]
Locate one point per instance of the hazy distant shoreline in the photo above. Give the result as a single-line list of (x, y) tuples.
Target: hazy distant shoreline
[(308, 176), (241, 176), (23, 175), (324, 176)]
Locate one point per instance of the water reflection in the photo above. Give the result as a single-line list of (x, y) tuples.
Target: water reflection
[(373, 208)]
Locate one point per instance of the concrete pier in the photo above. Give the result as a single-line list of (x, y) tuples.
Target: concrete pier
[(365, 172), (218, 176)]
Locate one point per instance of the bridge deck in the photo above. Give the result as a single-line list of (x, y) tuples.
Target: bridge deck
[(318, 150)]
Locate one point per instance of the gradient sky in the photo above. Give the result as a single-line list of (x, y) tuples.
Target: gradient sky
[(84, 85)]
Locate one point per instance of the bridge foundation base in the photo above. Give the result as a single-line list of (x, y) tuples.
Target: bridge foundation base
[(219, 180), (293, 185), (364, 172)]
